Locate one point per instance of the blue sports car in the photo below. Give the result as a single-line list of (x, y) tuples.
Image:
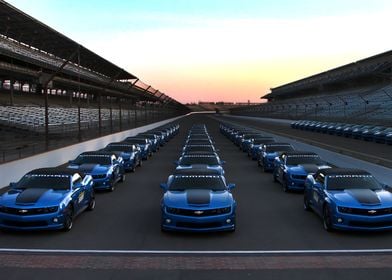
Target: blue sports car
[(292, 168), (143, 143), (197, 203), (269, 152), (349, 199), (130, 154), (46, 198), (255, 148), (105, 168), (190, 160)]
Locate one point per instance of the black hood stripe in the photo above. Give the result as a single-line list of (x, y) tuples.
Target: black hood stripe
[(87, 167), (364, 196), (198, 196), (30, 196), (310, 168)]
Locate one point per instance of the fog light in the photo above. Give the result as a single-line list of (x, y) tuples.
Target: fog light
[(340, 220), (168, 221), (228, 221), (55, 220)]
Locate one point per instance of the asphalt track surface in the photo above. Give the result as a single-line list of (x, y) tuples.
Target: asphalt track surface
[(122, 236)]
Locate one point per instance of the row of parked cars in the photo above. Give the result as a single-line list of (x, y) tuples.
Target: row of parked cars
[(50, 198), (196, 196), (344, 198), (376, 133)]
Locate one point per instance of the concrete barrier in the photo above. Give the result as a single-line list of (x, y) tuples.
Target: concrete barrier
[(13, 171)]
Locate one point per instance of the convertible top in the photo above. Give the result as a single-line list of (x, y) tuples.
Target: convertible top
[(197, 169), (55, 171), (343, 171)]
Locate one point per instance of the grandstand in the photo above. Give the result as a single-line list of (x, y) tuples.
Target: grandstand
[(51, 85), (359, 92)]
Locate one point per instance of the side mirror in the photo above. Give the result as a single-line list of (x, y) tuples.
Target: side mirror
[(222, 162), (12, 185), (70, 162), (387, 188), (176, 162), (164, 186), (231, 186)]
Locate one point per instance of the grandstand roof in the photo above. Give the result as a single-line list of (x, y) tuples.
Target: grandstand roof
[(23, 28), (355, 70)]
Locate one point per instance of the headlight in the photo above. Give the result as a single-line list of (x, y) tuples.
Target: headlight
[(347, 210)]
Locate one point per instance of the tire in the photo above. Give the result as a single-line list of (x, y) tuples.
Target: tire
[(140, 162), (122, 178), (68, 219), (275, 177), (306, 204), (91, 204), (112, 186), (133, 168), (327, 219), (285, 185)]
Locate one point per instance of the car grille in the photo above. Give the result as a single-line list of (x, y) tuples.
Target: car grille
[(370, 224), (25, 224), (365, 212), (198, 225), (28, 212), (198, 213), (298, 177), (99, 176)]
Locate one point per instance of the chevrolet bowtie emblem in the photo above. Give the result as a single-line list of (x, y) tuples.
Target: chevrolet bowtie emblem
[(372, 211), (198, 212), (23, 211)]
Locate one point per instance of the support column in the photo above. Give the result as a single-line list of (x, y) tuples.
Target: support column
[(12, 81), (46, 117), (99, 114), (120, 114)]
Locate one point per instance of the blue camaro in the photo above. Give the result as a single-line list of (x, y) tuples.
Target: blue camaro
[(292, 168), (190, 160), (46, 198), (269, 152), (130, 154), (197, 203), (105, 168), (349, 199)]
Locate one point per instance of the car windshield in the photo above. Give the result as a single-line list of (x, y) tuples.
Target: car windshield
[(94, 159), (198, 142), (297, 160), (272, 149), (342, 182), (137, 141), (56, 182), (210, 160), (118, 148), (262, 141), (199, 149), (181, 183)]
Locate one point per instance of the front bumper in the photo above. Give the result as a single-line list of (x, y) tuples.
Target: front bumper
[(171, 222), (345, 221), (50, 221)]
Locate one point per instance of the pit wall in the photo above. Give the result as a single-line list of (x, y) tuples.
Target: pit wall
[(13, 171)]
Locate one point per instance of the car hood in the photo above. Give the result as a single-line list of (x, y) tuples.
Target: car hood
[(361, 197), (306, 168), (37, 197), (198, 198), (90, 168)]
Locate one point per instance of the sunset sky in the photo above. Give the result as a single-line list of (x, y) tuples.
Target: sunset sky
[(221, 50)]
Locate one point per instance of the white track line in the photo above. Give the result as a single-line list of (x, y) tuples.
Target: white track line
[(196, 252)]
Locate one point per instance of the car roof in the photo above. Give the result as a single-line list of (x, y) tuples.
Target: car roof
[(300, 153), (55, 171), (97, 153), (197, 170), (343, 171)]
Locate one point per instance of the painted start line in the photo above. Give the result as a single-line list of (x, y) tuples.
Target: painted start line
[(195, 260)]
